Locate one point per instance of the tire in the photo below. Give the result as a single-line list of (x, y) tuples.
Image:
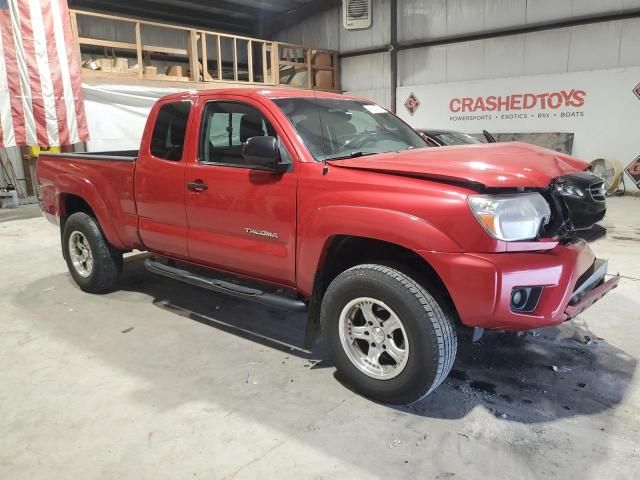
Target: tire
[(427, 335), (83, 239)]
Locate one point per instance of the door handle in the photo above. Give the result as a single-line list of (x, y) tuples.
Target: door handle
[(197, 186)]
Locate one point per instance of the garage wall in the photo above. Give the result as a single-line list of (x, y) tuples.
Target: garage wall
[(536, 61), (321, 31), (588, 47), (325, 30), (433, 19), (368, 76), (490, 64)]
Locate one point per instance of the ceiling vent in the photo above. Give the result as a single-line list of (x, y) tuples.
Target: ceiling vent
[(356, 14)]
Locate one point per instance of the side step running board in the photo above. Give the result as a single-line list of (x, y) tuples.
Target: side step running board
[(221, 286)]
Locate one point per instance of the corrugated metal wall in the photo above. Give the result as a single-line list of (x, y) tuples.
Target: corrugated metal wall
[(368, 76), (432, 19), (596, 46), (321, 31), (588, 47)]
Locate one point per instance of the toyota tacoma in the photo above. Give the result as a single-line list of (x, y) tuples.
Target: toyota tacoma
[(331, 205)]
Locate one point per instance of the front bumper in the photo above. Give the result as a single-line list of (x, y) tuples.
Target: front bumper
[(590, 296), (480, 284)]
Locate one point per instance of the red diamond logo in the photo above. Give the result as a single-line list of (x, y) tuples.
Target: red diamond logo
[(637, 91), (412, 103), (633, 169)]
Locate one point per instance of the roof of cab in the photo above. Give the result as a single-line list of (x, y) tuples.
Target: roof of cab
[(270, 93)]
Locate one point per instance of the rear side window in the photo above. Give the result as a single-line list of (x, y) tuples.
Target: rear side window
[(167, 140)]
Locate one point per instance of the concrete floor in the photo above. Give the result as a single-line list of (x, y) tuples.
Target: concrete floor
[(161, 380)]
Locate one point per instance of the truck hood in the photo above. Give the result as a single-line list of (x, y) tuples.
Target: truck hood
[(505, 165)]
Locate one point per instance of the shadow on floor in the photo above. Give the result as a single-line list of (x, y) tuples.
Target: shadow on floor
[(278, 329), (555, 373), (514, 379)]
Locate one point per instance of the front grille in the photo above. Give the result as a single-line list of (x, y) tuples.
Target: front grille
[(575, 212), (597, 191)]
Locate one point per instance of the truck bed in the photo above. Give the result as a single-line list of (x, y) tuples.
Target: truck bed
[(102, 180), (113, 156)]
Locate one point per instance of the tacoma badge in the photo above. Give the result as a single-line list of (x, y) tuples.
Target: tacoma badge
[(261, 233)]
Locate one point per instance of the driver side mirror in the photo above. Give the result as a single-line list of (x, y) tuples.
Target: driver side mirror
[(262, 153)]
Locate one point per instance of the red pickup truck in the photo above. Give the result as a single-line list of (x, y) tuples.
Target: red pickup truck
[(328, 204)]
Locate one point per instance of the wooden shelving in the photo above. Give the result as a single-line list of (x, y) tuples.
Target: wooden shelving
[(233, 60)]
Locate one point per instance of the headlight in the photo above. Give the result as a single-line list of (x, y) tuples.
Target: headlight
[(511, 217), (568, 190)]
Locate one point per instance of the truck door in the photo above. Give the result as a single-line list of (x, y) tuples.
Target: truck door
[(159, 180), (240, 220)]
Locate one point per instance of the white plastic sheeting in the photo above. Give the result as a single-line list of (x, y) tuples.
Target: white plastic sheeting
[(116, 114)]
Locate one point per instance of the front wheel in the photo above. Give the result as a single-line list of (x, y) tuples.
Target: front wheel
[(93, 263), (386, 334)]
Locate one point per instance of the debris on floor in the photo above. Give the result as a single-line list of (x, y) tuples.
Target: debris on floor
[(394, 444)]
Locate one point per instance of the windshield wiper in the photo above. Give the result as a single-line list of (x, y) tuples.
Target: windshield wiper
[(351, 155)]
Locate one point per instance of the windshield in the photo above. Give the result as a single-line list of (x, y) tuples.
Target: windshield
[(334, 128), (455, 138)]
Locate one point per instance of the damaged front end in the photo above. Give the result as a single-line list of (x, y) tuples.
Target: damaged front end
[(590, 288), (577, 201)]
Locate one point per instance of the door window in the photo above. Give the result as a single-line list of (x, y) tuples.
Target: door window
[(226, 126), (167, 139)]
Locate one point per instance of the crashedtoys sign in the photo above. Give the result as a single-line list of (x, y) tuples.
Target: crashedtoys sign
[(519, 101), (600, 107)]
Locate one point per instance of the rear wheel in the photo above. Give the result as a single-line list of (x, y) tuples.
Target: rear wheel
[(93, 263), (387, 335)]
